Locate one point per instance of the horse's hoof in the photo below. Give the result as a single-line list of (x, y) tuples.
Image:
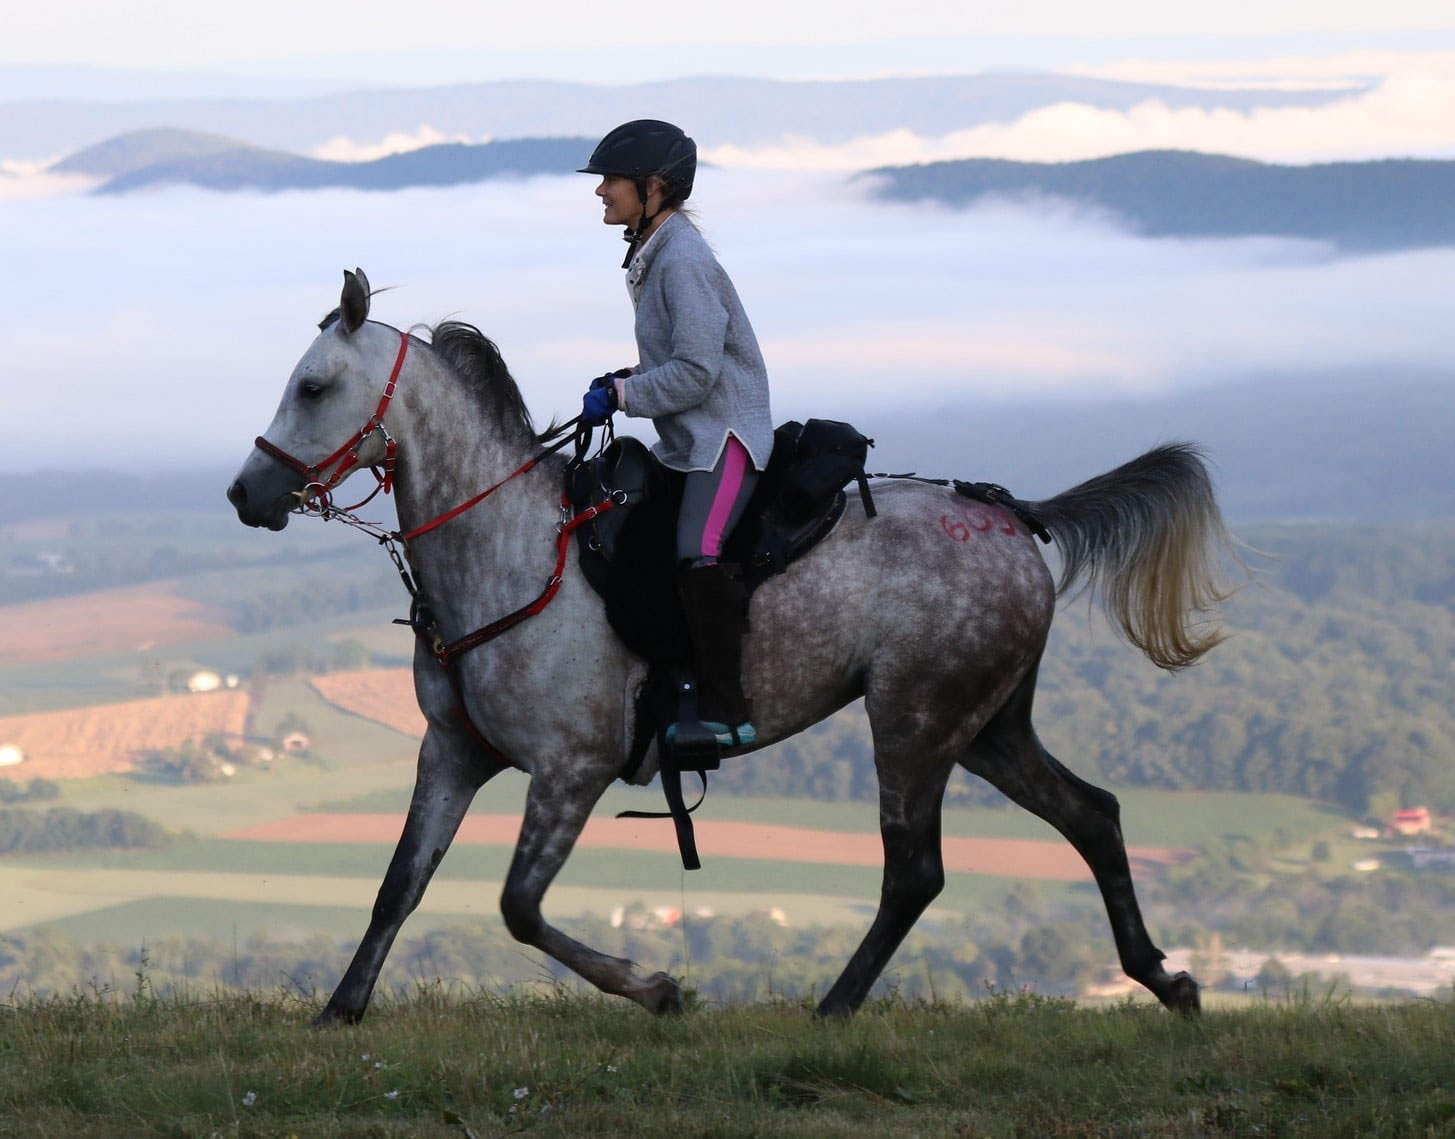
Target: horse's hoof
[(662, 995), (334, 1017), (1183, 994)]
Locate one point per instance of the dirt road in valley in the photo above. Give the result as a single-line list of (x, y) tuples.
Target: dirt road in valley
[(1007, 857)]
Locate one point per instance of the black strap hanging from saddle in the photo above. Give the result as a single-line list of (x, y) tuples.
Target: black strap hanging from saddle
[(628, 555)]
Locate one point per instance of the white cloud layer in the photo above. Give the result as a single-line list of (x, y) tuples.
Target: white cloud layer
[(24, 180), (1409, 113), (163, 325), (342, 148)]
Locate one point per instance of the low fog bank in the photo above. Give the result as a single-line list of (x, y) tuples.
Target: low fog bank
[(1361, 447), (1355, 447), (160, 329)]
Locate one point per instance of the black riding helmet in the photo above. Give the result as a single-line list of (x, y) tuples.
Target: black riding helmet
[(639, 149)]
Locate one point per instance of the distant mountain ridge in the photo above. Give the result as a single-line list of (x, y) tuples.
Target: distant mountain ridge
[(172, 157), (137, 150), (1358, 206), (1388, 204), (716, 111)]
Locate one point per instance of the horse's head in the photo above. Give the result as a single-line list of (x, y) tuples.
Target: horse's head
[(329, 421)]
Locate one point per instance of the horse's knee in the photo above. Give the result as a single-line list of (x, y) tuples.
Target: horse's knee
[(930, 878), (1100, 799), (396, 898), (920, 878), (522, 914)]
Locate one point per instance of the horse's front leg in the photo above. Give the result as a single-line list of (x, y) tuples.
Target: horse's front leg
[(556, 809), (449, 775)]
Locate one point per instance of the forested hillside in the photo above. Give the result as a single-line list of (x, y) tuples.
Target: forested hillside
[(1391, 204), (1337, 684), (167, 157)]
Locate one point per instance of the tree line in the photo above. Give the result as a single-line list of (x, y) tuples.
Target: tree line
[(25, 831)]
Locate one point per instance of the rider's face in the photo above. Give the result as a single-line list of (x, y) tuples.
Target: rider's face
[(619, 196)]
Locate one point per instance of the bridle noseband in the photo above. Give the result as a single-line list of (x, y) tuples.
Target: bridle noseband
[(315, 496)]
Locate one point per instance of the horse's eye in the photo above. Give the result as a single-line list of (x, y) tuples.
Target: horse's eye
[(310, 389)]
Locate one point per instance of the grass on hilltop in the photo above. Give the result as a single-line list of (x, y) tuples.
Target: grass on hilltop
[(570, 1065)]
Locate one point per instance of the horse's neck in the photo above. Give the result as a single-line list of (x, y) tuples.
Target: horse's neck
[(449, 451)]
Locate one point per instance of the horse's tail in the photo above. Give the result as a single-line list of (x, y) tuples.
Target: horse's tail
[(1148, 537)]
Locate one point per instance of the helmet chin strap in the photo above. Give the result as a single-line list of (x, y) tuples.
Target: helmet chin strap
[(633, 236)]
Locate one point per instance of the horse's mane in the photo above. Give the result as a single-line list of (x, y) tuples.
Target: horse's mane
[(474, 358), (476, 362)]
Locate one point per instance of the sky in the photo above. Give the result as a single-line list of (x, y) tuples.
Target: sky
[(369, 43), (164, 324)]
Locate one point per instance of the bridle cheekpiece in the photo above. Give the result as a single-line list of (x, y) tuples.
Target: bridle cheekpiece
[(316, 497)]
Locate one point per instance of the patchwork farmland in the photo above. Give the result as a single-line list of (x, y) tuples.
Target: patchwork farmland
[(81, 742), (1006, 857), (384, 695), (125, 620)]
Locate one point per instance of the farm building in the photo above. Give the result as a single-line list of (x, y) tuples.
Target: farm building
[(204, 681), (296, 742), (10, 755), (1411, 821)]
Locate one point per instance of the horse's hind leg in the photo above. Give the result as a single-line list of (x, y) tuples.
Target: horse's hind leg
[(912, 775), (556, 809), (1008, 755), (448, 779)]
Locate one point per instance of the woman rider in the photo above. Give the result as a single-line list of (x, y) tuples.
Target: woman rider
[(701, 381)]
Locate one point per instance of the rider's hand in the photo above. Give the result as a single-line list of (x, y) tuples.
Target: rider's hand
[(598, 404), (610, 378)]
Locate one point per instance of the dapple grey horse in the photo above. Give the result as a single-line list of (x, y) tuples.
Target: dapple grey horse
[(936, 613)]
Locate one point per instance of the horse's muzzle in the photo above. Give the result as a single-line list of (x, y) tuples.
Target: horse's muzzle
[(272, 514)]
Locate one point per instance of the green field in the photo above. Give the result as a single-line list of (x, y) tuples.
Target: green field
[(594, 881), (143, 922), (563, 1065)]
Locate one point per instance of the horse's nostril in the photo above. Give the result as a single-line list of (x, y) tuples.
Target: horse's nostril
[(237, 494)]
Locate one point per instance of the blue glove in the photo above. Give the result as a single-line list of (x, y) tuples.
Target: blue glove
[(599, 404)]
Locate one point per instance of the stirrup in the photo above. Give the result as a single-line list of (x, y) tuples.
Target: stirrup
[(745, 735)]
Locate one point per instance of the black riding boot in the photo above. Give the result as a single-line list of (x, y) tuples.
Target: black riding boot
[(716, 607)]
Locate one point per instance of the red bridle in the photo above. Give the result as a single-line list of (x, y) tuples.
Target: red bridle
[(315, 498), (315, 493)]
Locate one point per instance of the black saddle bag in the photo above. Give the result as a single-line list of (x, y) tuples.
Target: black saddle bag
[(815, 460)]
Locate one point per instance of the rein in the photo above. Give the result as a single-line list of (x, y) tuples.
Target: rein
[(316, 499)]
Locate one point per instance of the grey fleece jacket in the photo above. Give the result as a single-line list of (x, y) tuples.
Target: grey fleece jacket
[(701, 375)]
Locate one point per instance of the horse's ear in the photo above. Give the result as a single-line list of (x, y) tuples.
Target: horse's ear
[(353, 305)]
